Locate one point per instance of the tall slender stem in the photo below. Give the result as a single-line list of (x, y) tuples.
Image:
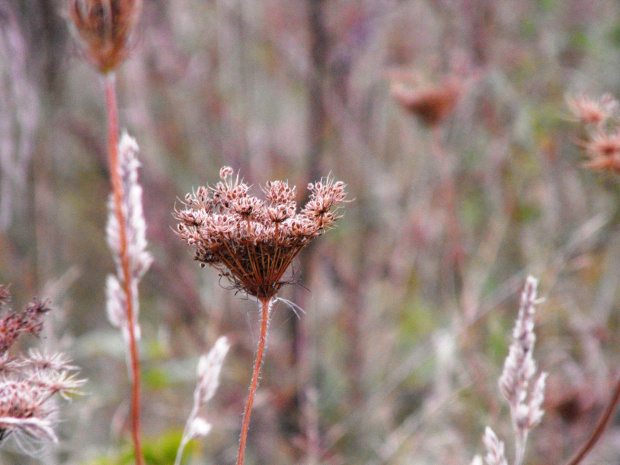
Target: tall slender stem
[(600, 427), (265, 304), (117, 195), (521, 437), (448, 191)]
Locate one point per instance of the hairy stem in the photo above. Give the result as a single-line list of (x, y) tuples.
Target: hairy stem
[(186, 436), (599, 429), (117, 195), (520, 447), (265, 305)]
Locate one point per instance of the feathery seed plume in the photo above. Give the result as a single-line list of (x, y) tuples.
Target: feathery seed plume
[(135, 227), (495, 448), (209, 368), (520, 367), (515, 383)]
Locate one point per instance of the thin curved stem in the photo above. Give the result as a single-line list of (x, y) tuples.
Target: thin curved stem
[(600, 427), (265, 306), (117, 196)]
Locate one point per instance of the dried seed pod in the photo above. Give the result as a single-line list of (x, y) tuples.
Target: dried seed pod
[(105, 28)]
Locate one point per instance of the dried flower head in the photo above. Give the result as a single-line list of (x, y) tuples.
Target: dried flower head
[(14, 323), (25, 394), (602, 144), (105, 28), (5, 295), (28, 382), (593, 111), (431, 103), (252, 241), (23, 410), (603, 150)]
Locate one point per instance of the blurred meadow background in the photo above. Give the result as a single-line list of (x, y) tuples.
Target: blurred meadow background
[(408, 303)]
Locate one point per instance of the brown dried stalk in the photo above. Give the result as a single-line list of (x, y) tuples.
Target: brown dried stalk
[(104, 29), (265, 307), (117, 195), (601, 425)]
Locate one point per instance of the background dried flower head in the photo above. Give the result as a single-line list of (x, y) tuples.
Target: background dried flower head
[(602, 143), (29, 382), (104, 28)]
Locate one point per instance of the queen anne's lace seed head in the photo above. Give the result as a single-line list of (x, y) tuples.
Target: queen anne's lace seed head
[(28, 382), (252, 241)]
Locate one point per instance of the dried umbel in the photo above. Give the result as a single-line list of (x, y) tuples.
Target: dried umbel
[(600, 117), (431, 103), (104, 28), (252, 241), (14, 323), (593, 111), (27, 383)]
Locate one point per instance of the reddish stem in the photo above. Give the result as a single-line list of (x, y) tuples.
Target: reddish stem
[(448, 191), (255, 375), (117, 195), (599, 429)]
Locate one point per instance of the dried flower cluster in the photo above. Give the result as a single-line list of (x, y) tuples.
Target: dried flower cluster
[(595, 112), (431, 103), (27, 383), (135, 229), (14, 323), (600, 117), (209, 368), (105, 28), (252, 241), (515, 384)]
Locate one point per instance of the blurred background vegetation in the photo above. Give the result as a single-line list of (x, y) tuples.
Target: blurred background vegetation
[(409, 302)]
